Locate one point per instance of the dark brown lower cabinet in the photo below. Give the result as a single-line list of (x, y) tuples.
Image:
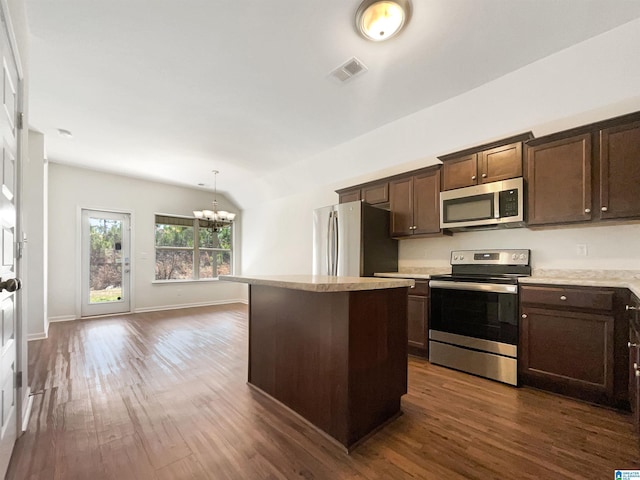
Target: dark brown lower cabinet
[(418, 321), (634, 360), (572, 342)]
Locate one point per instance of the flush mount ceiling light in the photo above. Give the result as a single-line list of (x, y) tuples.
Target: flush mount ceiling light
[(215, 219), (379, 20)]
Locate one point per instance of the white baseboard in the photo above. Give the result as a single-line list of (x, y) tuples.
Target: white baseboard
[(26, 413), (37, 336), (188, 305), (62, 318), (68, 318)]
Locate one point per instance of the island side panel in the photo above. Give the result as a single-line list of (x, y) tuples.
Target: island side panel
[(378, 358), (298, 353)]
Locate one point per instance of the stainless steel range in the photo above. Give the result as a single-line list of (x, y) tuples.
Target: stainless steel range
[(474, 313)]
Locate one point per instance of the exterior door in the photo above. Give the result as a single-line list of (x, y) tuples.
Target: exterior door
[(9, 313), (105, 263)]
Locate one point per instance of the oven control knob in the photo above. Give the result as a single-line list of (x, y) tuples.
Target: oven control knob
[(461, 257), (455, 257), (515, 256), (522, 256)]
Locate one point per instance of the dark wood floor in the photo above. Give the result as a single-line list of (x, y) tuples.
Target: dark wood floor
[(164, 396)]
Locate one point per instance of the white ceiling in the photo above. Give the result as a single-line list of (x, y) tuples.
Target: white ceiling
[(170, 90)]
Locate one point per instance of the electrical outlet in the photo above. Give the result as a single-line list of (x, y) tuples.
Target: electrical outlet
[(581, 250)]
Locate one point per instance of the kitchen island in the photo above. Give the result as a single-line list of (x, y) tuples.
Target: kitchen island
[(331, 349)]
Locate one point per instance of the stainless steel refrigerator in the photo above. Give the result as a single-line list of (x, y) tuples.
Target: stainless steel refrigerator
[(353, 239)]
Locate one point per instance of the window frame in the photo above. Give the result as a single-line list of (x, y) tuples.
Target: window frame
[(195, 249)]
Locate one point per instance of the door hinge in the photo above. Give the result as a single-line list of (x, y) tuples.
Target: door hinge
[(20, 248), (18, 379), (20, 120)]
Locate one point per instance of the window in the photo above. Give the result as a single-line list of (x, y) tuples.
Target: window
[(190, 249)]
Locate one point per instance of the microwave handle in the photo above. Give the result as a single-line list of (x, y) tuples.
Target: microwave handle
[(496, 205)]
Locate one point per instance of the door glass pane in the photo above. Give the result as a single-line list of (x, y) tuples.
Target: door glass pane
[(105, 260)]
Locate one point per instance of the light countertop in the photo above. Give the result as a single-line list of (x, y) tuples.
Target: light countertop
[(320, 283), (415, 273), (586, 278)]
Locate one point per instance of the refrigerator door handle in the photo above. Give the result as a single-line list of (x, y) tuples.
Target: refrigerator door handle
[(329, 244), (335, 243)]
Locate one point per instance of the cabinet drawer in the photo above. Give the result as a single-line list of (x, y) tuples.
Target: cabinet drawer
[(592, 299), (421, 289)]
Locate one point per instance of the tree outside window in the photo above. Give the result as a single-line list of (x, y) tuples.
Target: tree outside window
[(180, 257)]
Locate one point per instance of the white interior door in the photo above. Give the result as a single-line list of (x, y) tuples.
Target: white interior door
[(106, 263), (9, 314)]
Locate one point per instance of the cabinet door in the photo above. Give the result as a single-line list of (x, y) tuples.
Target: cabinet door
[(620, 171), (426, 203), (460, 172), (417, 323), (351, 196), (568, 352), (376, 194), (634, 360), (401, 206), (559, 179), (501, 163), (634, 385)]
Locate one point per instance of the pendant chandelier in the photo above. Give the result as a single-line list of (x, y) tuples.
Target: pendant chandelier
[(215, 219)]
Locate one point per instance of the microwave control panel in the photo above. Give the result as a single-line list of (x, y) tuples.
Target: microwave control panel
[(508, 203)]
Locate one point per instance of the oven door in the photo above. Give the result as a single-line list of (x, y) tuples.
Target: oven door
[(477, 310)]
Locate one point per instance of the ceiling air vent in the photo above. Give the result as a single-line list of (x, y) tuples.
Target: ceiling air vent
[(349, 69)]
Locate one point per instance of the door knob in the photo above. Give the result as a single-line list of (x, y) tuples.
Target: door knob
[(10, 285), (604, 209), (587, 210), (473, 177), (562, 297), (484, 175)]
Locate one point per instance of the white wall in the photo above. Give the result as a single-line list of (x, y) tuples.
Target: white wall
[(608, 247), (591, 81), (281, 236), (71, 189), (34, 201)]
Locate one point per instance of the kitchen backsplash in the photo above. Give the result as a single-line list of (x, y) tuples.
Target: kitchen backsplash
[(607, 247)]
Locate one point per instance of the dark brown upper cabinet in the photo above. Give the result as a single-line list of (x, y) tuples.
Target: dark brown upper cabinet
[(374, 193), (620, 171), (585, 174), (559, 181), (351, 195), (414, 202), (483, 164)]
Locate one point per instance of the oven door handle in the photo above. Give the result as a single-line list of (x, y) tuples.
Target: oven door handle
[(474, 287)]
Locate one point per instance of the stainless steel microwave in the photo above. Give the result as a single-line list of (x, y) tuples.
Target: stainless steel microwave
[(487, 206)]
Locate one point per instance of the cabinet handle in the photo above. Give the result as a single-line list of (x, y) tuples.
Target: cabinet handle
[(562, 297), (604, 209), (473, 177), (635, 366), (524, 315), (587, 210), (634, 345), (630, 307), (637, 373), (484, 175), (412, 286)]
